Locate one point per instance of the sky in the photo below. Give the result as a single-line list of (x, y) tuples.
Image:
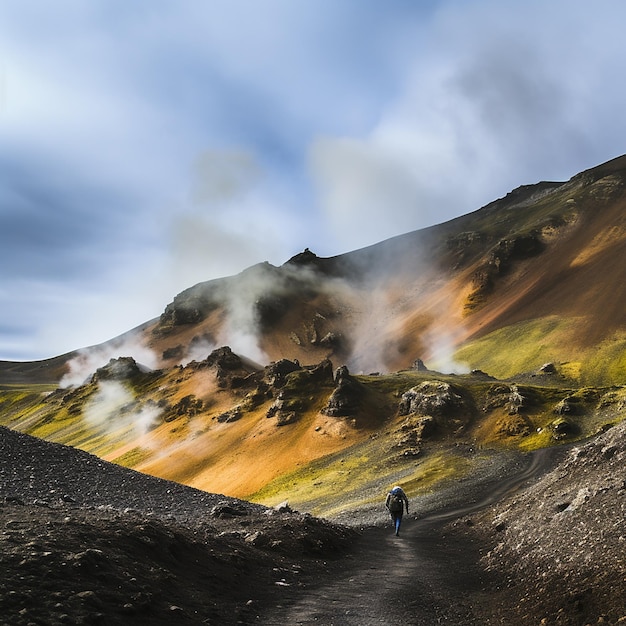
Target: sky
[(146, 146)]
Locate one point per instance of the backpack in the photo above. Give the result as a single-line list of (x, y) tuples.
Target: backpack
[(396, 503)]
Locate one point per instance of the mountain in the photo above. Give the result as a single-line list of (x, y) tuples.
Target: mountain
[(529, 289), (545, 261), (440, 360), (504, 327)]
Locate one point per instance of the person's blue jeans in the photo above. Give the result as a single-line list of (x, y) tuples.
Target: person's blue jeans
[(397, 520)]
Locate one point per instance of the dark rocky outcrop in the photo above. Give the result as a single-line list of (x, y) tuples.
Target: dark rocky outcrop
[(188, 405), (304, 258), (500, 259), (224, 359), (431, 398), (566, 406), (287, 407), (230, 370), (414, 431), (276, 373), (548, 368), (418, 365), (175, 352), (347, 396), (322, 372), (122, 368), (562, 428), (294, 387), (190, 306), (433, 408), (501, 395), (233, 415)]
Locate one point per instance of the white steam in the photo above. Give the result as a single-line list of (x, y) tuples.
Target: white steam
[(379, 309), (198, 351), (106, 404), (441, 342), (88, 360), (113, 409), (145, 418), (249, 291)]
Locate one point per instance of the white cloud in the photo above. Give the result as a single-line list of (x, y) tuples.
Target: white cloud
[(496, 100)]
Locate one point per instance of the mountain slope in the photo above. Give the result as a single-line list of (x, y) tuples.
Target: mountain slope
[(532, 278), (551, 251), (546, 259)]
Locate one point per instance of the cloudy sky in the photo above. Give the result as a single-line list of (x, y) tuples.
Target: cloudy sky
[(149, 145)]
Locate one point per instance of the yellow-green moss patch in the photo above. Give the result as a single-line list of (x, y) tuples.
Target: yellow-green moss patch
[(522, 347)]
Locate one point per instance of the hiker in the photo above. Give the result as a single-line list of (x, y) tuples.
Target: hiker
[(396, 503)]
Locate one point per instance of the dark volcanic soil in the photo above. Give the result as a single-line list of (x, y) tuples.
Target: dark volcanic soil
[(83, 541)]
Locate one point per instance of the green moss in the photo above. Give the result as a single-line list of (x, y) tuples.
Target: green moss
[(541, 438), (606, 364), (530, 344), (522, 347), (358, 477), (433, 471), (318, 480), (133, 457), (20, 403)]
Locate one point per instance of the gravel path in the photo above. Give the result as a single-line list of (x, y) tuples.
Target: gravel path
[(423, 577)]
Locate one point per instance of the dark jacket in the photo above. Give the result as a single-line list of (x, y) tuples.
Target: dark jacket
[(400, 492)]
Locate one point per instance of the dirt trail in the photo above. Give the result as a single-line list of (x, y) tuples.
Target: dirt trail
[(421, 578)]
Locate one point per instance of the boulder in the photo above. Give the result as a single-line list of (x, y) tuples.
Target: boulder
[(341, 373), (562, 428), (440, 403), (418, 365), (516, 401), (430, 398), (547, 368), (285, 409), (276, 373), (187, 406), (563, 407), (323, 371), (224, 358), (346, 398), (230, 416), (123, 368), (230, 370)]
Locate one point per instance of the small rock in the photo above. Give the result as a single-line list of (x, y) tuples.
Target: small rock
[(548, 368), (283, 507)]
